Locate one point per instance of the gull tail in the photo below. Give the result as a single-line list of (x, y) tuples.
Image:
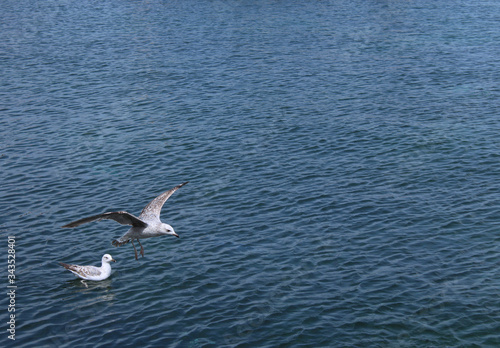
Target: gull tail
[(68, 267), (65, 265), (119, 242)]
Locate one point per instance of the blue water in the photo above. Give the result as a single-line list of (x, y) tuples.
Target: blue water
[(343, 159)]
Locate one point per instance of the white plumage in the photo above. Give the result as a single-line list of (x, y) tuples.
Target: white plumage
[(92, 272)]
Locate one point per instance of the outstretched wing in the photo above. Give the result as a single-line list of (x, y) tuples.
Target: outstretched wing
[(122, 217), (153, 209)]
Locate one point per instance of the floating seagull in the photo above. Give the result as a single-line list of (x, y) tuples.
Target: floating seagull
[(91, 272), (147, 225)]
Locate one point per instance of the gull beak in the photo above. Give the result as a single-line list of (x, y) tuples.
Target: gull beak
[(113, 260), (175, 234)]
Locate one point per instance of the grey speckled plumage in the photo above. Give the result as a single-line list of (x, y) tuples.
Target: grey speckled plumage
[(147, 225)]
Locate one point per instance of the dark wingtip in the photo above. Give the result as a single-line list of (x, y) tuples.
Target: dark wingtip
[(70, 225), (65, 265)]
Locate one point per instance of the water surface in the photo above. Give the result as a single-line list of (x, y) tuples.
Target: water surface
[(343, 159)]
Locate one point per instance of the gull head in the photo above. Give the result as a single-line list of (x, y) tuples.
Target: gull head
[(107, 258), (167, 229)]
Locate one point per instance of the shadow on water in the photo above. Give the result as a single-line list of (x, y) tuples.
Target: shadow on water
[(89, 285), (84, 293)]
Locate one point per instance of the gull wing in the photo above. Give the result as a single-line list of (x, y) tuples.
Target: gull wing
[(153, 209), (122, 217), (82, 271)]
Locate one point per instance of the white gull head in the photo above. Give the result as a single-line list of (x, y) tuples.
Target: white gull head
[(107, 259), (167, 229)]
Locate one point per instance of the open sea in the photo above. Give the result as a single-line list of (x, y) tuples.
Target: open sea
[(343, 159)]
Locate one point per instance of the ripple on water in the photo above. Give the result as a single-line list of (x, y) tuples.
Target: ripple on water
[(347, 201)]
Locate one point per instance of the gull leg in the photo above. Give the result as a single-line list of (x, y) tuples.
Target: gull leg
[(142, 248), (134, 249), (83, 282)]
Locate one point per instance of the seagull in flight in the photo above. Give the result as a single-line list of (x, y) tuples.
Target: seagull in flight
[(92, 272), (147, 225)]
